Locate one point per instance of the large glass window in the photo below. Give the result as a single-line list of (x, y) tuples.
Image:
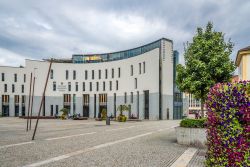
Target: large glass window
[(24, 78), (22, 88), (117, 85)]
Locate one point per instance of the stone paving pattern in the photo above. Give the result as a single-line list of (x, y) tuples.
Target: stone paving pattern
[(157, 149)]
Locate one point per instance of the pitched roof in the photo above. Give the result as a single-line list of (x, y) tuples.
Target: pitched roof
[(239, 54)]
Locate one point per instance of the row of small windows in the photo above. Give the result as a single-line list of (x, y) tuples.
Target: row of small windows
[(12, 88), (86, 74), (97, 86), (140, 68), (15, 77), (90, 86)]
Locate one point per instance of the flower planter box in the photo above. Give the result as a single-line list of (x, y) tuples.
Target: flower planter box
[(191, 136)]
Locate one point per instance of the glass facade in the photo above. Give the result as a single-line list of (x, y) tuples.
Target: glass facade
[(96, 58)]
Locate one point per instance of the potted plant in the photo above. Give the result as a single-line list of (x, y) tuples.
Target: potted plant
[(65, 112), (121, 109)]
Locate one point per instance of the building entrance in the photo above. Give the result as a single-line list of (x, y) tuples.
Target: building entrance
[(85, 110), (5, 106), (102, 104)]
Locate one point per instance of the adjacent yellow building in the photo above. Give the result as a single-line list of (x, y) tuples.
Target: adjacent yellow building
[(243, 63)]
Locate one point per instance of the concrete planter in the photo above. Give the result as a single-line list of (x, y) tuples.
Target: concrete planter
[(191, 136)]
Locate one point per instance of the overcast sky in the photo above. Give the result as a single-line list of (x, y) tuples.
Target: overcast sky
[(55, 28)]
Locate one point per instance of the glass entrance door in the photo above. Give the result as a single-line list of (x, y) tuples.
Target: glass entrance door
[(85, 110)]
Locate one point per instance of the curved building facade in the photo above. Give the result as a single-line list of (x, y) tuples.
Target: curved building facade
[(141, 78)]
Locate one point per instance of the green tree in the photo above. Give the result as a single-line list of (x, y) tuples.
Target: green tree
[(207, 62)]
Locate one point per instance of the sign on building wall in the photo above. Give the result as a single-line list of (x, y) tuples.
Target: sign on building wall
[(61, 88)]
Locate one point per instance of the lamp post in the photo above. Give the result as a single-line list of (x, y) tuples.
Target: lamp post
[(34, 80)]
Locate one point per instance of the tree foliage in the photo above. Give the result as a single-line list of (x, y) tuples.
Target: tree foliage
[(207, 62)]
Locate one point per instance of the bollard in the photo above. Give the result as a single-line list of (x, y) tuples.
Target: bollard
[(107, 121)]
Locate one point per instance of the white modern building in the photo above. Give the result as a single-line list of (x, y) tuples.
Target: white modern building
[(141, 78)]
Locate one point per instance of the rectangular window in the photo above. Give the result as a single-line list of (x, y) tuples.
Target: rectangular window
[(57, 109), (144, 67), (74, 75), (51, 110), (54, 86), (51, 74), (3, 77), (97, 86), (110, 85), (106, 73), (135, 83), (103, 86), (5, 88), (22, 88), (125, 97), (24, 78), (116, 85), (100, 74), (113, 73), (139, 68), (69, 86), (86, 74), (131, 97), (90, 86), (76, 86), (93, 74), (119, 72), (67, 74), (13, 88), (83, 86), (131, 70), (15, 77)]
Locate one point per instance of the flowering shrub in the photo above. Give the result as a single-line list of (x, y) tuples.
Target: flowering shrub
[(228, 125)]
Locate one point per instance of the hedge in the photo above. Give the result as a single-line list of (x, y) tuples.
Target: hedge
[(228, 125), (193, 123)]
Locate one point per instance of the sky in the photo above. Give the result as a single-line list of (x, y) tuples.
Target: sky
[(31, 29)]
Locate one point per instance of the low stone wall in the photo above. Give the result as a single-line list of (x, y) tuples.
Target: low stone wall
[(191, 136)]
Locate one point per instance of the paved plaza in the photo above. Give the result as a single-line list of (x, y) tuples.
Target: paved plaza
[(89, 143)]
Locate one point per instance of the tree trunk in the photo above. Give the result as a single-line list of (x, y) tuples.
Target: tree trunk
[(202, 108)]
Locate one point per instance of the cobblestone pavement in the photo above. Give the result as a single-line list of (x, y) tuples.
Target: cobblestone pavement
[(198, 159), (89, 143)]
